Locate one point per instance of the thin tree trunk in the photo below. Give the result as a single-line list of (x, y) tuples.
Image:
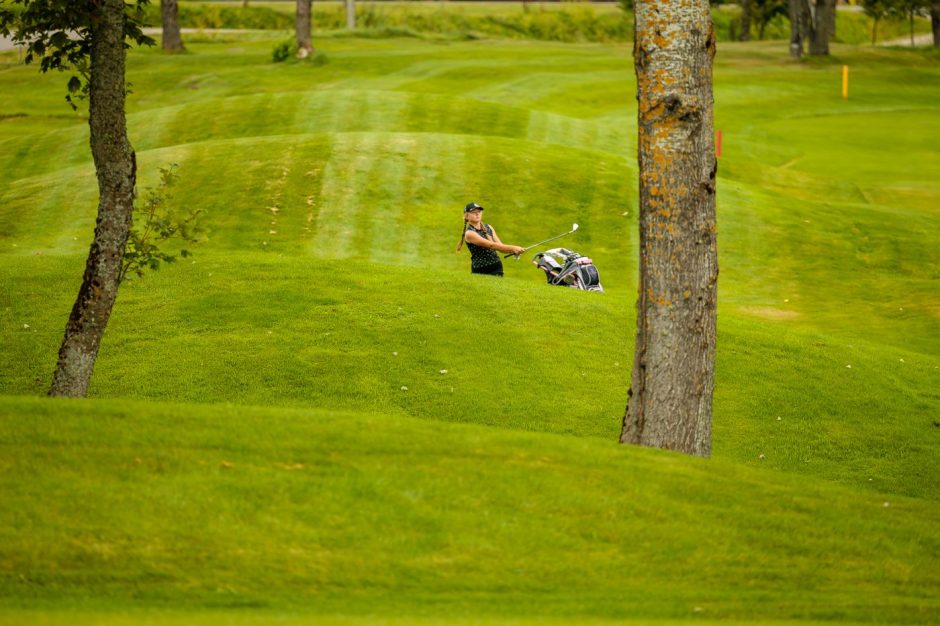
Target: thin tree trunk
[(796, 21), (832, 20), (935, 22), (172, 42), (820, 26), (911, 16), (351, 14), (874, 31), (670, 398), (746, 20), (807, 15), (116, 171), (302, 25)]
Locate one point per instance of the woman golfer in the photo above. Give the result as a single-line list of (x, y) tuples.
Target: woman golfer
[(483, 243)]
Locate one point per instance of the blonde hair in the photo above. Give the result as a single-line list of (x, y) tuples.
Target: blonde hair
[(463, 234)]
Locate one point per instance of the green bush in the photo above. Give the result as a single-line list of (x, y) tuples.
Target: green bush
[(287, 49), (284, 50)]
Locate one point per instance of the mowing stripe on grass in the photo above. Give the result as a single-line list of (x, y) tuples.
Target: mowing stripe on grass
[(195, 507), (338, 213)]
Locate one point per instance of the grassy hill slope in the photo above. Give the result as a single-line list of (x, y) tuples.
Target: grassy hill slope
[(436, 444), (371, 155), (281, 331), (294, 510)]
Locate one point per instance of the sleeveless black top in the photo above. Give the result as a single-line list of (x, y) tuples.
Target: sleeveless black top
[(481, 257)]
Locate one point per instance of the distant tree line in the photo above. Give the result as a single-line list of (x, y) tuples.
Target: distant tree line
[(576, 21), (813, 22)]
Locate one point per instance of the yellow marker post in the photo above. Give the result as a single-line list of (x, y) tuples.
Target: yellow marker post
[(845, 82)]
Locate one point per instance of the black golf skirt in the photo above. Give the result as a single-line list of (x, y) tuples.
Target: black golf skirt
[(491, 270)]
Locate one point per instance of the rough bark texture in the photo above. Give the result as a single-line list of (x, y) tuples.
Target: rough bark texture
[(302, 26), (350, 14), (935, 22), (116, 170), (670, 398), (172, 42), (820, 25), (832, 21), (796, 31), (746, 20)]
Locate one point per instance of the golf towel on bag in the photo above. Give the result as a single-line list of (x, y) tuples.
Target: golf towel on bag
[(484, 260)]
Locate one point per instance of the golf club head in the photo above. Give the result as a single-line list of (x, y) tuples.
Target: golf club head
[(574, 227)]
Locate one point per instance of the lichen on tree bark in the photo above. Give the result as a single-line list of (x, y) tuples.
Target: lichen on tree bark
[(670, 399), (116, 171)]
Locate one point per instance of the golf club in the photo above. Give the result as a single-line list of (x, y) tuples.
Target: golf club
[(574, 227)]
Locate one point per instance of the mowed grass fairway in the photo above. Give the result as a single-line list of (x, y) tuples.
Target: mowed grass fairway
[(322, 418)]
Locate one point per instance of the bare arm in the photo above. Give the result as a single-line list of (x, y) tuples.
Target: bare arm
[(499, 246)]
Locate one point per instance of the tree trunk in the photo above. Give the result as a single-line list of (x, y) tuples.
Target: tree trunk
[(935, 22), (832, 20), (746, 20), (351, 14), (172, 42), (874, 31), (670, 398), (302, 25), (116, 171), (820, 25), (911, 16), (796, 21), (807, 13)]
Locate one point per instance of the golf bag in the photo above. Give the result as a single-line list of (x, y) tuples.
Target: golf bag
[(566, 268)]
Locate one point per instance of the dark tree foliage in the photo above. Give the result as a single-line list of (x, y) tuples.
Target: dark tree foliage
[(877, 10), (764, 11), (58, 34), (910, 10), (157, 222)]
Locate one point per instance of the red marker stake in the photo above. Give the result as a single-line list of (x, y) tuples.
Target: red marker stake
[(718, 143)]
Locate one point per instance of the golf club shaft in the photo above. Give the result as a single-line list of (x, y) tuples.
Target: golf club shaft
[(535, 245)]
